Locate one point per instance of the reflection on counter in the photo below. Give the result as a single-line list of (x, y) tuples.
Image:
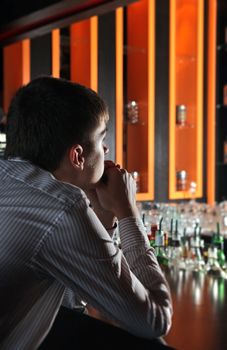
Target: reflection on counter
[(199, 303), (196, 284)]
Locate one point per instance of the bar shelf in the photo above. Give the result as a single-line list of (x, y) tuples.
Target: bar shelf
[(186, 90)]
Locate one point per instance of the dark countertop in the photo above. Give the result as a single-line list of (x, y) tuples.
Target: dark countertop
[(200, 311)]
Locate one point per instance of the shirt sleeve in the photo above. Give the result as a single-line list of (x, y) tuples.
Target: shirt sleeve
[(126, 285), (70, 300)]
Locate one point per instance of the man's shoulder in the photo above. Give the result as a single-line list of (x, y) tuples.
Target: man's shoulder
[(35, 180)]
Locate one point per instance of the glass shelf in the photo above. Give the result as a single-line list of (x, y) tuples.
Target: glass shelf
[(139, 123), (185, 58), (185, 126), (133, 49)]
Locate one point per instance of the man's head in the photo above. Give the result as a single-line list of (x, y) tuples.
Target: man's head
[(48, 117)]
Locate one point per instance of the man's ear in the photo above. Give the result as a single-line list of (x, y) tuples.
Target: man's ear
[(76, 156)]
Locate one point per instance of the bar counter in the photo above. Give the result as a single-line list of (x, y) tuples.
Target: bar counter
[(200, 311), (199, 320)]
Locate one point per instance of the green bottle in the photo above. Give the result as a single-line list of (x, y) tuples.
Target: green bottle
[(218, 242)]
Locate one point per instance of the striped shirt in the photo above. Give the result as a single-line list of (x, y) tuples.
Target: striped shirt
[(50, 241)]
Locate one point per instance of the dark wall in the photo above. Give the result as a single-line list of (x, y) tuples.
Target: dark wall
[(41, 56), (107, 72), (162, 101), (221, 109)]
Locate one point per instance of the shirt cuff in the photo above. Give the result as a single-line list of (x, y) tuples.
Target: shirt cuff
[(133, 233)]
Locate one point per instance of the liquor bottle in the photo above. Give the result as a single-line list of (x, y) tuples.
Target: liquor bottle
[(176, 259), (170, 238), (212, 265), (185, 247), (218, 242), (181, 180), (147, 227), (132, 112), (198, 262), (176, 236), (181, 115), (154, 229), (160, 246)]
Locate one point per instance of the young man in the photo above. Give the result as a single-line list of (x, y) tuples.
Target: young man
[(53, 242)]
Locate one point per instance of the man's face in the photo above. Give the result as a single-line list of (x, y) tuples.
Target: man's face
[(94, 156)]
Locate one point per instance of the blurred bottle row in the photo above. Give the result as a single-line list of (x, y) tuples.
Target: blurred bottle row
[(188, 252), (188, 214), (188, 236)]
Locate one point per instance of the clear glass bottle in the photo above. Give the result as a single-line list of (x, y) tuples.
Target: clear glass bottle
[(181, 182), (212, 265), (160, 246), (197, 260), (175, 250), (181, 115), (170, 238), (185, 248)]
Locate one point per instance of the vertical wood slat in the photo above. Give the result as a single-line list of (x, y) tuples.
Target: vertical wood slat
[(211, 98), (200, 50), (15, 75), (172, 99), (56, 53), (94, 53), (119, 86), (84, 52)]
